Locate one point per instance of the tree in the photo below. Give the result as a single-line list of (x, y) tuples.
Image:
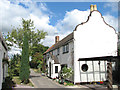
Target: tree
[(24, 66), (34, 36), (38, 48), (14, 65), (37, 56)]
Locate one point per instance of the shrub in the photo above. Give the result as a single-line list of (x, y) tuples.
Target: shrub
[(70, 84), (66, 72), (8, 84)]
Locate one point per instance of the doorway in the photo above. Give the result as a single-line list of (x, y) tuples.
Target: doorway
[(50, 69)]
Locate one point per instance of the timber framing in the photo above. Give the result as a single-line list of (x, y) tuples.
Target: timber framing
[(104, 58)]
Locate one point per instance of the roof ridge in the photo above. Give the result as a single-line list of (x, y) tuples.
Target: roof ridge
[(53, 46)]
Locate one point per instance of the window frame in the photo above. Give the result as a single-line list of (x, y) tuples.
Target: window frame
[(84, 67)]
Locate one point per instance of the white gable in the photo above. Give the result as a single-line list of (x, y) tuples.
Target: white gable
[(95, 38)]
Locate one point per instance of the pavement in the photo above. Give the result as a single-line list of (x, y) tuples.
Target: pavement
[(22, 86), (97, 87)]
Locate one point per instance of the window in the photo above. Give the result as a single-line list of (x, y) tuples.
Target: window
[(66, 48), (58, 51), (84, 67), (56, 69), (63, 49), (4, 55)]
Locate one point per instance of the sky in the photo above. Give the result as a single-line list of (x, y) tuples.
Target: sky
[(55, 18)]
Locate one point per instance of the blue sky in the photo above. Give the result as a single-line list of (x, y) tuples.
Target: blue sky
[(58, 9), (56, 18)]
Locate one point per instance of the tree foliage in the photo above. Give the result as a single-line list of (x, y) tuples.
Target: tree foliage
[(39, 48), (29, 39), (14, 65), (34, 36), (37, 55), (24, 66)]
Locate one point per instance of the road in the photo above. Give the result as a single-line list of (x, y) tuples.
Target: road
[(43, 82)]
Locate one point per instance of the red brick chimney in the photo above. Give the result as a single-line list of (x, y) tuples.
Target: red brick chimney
[(56, 39)]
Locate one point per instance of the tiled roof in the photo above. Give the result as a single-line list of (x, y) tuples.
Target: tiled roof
[(48, 49), (61, 42), (56, 61)]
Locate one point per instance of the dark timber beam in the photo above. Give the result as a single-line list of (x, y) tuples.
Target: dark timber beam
[(104, 58)]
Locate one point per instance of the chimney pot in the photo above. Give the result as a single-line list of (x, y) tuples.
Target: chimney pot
[(56, 39), (95, 7), (91, 8)]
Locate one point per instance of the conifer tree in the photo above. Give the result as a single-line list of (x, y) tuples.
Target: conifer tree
[(24, 68)]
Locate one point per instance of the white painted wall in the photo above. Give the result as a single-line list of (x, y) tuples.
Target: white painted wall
[(2, 51), (94, 72), (5, 70), (0, 67), (53, 74), (93, 39)]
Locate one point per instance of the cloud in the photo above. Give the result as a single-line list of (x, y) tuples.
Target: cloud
[(112, 5), (13, 12), (75, 17), (77, 0), (111, 20), (71, 19), (14, 50)]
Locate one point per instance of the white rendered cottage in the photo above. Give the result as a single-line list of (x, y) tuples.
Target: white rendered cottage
[(3, 55), (93, 38)]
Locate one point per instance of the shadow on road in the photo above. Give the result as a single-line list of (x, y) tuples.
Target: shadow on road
[(32, 76)]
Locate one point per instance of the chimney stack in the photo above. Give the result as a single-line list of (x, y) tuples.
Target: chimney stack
[(93, 7), (56, 39)]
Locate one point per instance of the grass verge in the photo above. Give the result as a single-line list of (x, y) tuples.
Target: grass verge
[(35, 70), (17, 80)]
